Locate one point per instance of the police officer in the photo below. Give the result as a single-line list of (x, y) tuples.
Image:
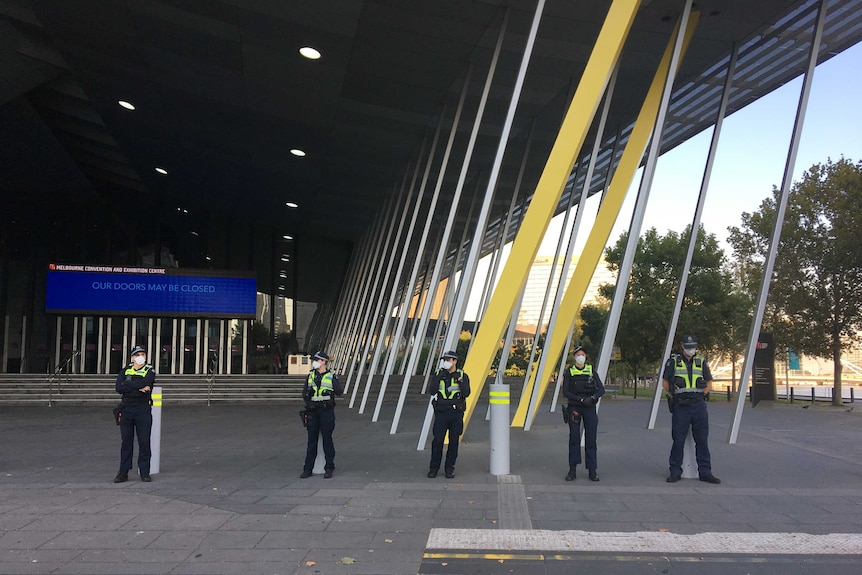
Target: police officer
[(687, 379), (320, 390), (583, 388), (450, 395), (135, 384)]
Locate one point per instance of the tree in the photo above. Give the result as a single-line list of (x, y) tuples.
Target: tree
[(815, 296), (594, 320), (652, 290)]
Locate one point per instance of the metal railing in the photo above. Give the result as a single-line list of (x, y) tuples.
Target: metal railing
[(65, 366), (212, 367)]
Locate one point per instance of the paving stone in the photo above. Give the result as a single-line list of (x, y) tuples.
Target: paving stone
[(238, 510)]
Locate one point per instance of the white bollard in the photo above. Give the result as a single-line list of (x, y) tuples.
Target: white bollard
[(499, 429), (320, 460), (689, 462), (156, 431)]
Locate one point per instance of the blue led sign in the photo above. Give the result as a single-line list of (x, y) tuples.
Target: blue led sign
[(142, 291)]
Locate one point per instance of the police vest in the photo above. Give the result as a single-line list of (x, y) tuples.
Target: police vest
[(131, 370), (454, 386), (583, 382), (681, 379), (325, 387)]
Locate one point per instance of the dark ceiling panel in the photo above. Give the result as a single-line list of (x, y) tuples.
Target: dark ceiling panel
[(222, 95)]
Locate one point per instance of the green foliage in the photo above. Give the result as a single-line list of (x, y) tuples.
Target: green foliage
[(594, 321), (815, 296), (652, 290)]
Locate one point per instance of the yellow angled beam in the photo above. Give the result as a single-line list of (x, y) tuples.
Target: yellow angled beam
[(573, 131), (607, 215)]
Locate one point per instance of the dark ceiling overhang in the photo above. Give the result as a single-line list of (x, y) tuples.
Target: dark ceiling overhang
[(222, 97)]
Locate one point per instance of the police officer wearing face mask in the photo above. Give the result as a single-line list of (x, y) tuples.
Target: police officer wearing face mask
[(135, 384), (687, 379), (321, 389), (450, 395), (583, 388)]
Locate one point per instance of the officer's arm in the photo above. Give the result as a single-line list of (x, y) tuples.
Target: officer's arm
[(337, 386), (707, 377), (668, 373), (148, 380), (123, 385), (567, 386), (465, 386), (600, 387)]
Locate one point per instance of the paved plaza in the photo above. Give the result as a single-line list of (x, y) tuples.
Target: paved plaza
[(228, 498)]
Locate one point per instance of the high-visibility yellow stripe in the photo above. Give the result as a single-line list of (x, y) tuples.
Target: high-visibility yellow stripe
[(157, 396), (607, 215), (492, 556), (157, 403), (546, 197), (499, 394)]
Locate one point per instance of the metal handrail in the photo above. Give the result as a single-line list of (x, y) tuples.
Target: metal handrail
[(63, 366), (211, 373)]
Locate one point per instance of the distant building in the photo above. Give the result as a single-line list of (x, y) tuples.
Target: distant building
[(537, 285)]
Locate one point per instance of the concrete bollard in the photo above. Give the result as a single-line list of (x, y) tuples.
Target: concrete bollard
[(156, 431), (689, 463), (499, 429), (320, 460)]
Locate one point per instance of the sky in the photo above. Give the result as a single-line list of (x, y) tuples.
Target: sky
[(751, 156), (750, 159)]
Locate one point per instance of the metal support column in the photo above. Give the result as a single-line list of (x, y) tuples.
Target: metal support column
[(695, 227), (611, 204), (572, 134), (402, 246), (469, 269), (780, 209), (634, 232)]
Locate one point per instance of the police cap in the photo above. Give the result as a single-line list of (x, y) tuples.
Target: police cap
[(688, 340), (449, 355), (321, 355), (137, 349), (579, 348)]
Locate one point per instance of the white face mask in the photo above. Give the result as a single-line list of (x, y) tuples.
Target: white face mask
[(445, 364), (690, 351), (140, 359), (580, 359), (316, 364)]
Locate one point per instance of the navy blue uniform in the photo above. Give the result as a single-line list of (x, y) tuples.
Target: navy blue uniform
[(135, 415), (583, 388), (453, 389), (320, 391), (689, 378)]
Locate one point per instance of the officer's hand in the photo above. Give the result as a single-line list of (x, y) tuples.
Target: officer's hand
[(145, 389), (587, 401)]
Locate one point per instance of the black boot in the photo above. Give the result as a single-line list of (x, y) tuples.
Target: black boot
[(594, 476), (572, 473)]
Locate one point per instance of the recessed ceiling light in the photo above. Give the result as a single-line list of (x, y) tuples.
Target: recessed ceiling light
[(162, 171), (126, 105), (292, 205), (283, 274), (285, 258), (281, 288), (194, 233), (209, 259), (287, 237), (298, 153), (310, 53)]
